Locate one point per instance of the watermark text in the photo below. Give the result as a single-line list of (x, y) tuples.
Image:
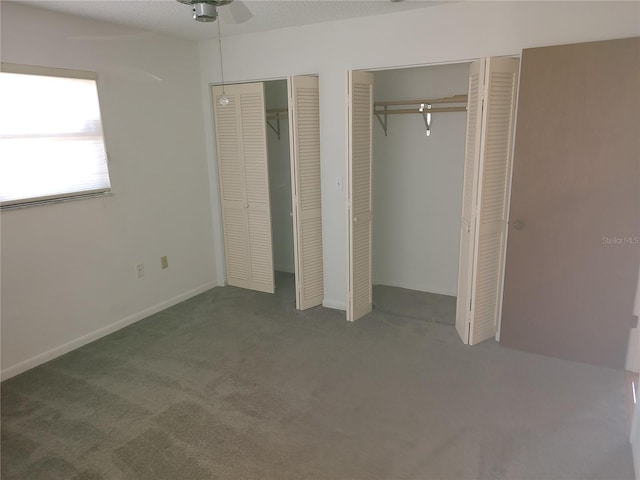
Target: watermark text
[(629, 240)]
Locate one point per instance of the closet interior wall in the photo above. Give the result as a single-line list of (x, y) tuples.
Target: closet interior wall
[(417, 182), (280, 179)]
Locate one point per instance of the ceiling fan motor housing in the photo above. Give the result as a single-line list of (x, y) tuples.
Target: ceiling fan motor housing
[(204, 12)]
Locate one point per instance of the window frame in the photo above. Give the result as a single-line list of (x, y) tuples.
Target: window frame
[(23, 69)]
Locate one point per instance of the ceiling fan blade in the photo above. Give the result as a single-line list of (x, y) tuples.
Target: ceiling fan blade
[(235, 12)]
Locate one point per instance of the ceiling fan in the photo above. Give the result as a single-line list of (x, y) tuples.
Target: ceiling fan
[(207, 10)]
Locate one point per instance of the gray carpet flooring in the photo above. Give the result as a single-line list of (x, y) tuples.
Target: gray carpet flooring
[(234, 384), (402, 302)]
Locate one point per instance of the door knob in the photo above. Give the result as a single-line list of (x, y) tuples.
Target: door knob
[(518, 224)]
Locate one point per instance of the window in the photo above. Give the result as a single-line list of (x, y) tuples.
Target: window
[(51, 141)]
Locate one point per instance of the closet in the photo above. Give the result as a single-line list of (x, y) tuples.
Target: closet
[(242, 120), (472, 217), (279, 167), (417, 124)]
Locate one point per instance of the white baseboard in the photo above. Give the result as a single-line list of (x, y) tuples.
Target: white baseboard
[(101, 332), (335, 304), (418, 287)]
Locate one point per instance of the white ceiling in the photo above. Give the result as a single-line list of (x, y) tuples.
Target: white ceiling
[(173, 18)]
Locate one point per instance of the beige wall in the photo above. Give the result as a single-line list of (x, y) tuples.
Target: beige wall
[(68, 270), (450, 32)]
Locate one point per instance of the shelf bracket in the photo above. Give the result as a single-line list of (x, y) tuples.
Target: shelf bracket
[(382, 122), (426, 116), (276, 129)]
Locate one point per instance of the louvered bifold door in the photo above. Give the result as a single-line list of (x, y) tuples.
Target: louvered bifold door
[(244, 185), (304, 136), (469, 195), (501, 80), (232, 196), (360, 116)]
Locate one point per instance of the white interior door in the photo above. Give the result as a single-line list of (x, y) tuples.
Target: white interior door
[(241, 141), (359, 206), (304, 135), (482, 249), (469, 195)]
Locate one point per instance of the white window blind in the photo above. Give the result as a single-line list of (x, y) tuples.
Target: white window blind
[(51, 141)]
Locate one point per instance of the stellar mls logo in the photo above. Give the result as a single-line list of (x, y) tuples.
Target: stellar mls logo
[(621, 240)]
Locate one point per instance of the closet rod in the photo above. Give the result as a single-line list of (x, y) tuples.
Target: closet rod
[(416, 110), (433, 101), (381, 109)]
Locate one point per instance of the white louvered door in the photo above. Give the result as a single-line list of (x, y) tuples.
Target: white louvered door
[(360, 117), (501, 81), (244, 185), (489, 200), (469, 195), (304, 135)]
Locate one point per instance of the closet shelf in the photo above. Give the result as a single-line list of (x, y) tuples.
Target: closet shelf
[(425, 108), (433, 101)]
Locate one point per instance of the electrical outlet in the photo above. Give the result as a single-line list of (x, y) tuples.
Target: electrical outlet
[(164, 262), (140, 270)]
